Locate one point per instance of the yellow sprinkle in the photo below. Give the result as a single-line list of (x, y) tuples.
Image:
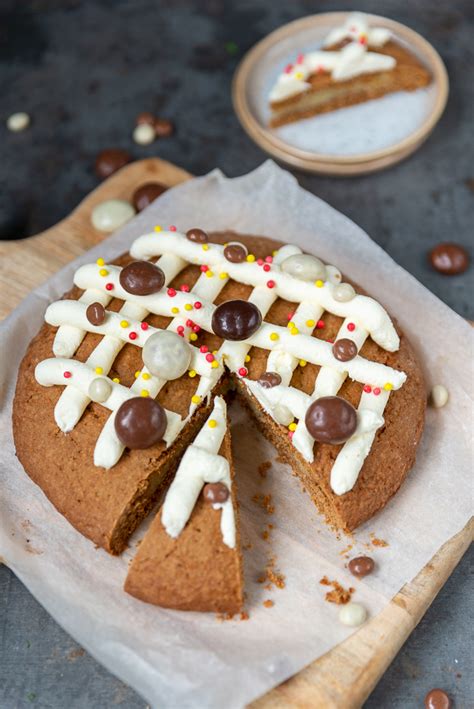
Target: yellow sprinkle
[(214, 364), (137, 373), (100, 262), (124, 323), (195, 399), (298, 75), (192, 373), (274, 253), (188, 306), (303, 363), (388, 386), (209, 274), (310, 323), (214, 352), (294, 331), (193, 337), (291, 324), (274, 336), (116, 380), (175, 310), (103, 272), (292, 426), (157, 228), (212, 423), (247, 358), (205, 247), (144, 392), (146, 376), (319, 283), (99, 370), (223, 275), (250, 258)]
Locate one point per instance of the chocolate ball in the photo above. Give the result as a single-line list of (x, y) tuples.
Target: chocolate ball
[(344, 349), (269, 380), (449, 259), (146, 194), (199, 236), (95, 313), (215, 492), (437, 699), (109, 161), (331, 419), (163, 127), (361, 566), (142, 278), (235, 252), (236, 320), (145, 118), (140, 422)]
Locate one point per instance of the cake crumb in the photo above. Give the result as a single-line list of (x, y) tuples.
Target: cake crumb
[(345, 551), (263, 468), (339, 594), (268, 603), (376, 542), (261, 579), (265, 502), (244, 616), (279, 459), (265, 535)]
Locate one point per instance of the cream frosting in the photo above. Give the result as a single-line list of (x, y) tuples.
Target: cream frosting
[(201, 464), (352, 60)]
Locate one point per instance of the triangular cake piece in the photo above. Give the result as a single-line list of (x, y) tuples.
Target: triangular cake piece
[(190, 557), (357, 63)]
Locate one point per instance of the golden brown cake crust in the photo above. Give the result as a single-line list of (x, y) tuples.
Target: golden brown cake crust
[(106, 506), (408, 74)]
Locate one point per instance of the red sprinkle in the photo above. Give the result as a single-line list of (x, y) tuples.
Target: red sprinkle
[(180, 330), (320, 324), (377, 391), (204, 268), (210, 357), (109, 286), (133, 336), (269, 259), (184, 288), (260, 261), (197, 305), (189, 323), (144, 326), (290, 315), (204, 349), (67, 375), (243, 371), (291, 434), (300, 58), (171, 292), (196, 328), (266, 267), (271, 284), (172, 228), (351, 327), (288, 68), (181, 334), (363, 40)]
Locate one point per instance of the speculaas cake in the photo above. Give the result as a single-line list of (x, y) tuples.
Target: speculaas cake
[(357, 63), (126, 379)]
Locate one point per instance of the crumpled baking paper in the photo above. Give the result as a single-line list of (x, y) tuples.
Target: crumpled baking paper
[(178, 659)]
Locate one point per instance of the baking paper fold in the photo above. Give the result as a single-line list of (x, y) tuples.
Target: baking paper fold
[(178, 659)]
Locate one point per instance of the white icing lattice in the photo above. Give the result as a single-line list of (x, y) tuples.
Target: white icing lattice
[(192, 310)]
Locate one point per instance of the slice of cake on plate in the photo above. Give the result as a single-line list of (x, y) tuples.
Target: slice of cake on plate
[(357, 63), (190, 558)]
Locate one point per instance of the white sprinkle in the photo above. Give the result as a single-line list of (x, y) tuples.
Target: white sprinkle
[(111, 214), (439, 396), (18, 122), (144, 134), (352, 614)]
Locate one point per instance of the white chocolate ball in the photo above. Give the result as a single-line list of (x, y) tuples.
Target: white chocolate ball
[(144, 134), (304, 267), (282, 414), (352, 614), (343, 293), (111, 214), (166, 354), (439, 396), (99, 389), (18, 121)]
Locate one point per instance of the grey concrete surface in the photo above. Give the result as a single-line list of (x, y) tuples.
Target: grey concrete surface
[(83, 70)]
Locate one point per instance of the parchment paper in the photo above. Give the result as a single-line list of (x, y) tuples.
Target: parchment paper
[(177, 659)]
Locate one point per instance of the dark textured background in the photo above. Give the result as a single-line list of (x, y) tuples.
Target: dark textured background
[(83, 70)]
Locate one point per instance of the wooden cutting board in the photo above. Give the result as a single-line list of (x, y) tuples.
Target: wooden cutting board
[(345, 676)]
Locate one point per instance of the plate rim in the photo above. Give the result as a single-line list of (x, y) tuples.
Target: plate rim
[(324, 162)]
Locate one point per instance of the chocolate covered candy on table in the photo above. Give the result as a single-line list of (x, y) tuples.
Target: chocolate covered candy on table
[(449, 259), (164, 128), (145, 118), (111, 214), (352, 614), (142, 278), (437, 699), (146, 194), (215, 492), (236, 320), (199, 236), (140, 422), (144, 134), (361, 566), (95, 313), (109, 161), (331, 419)]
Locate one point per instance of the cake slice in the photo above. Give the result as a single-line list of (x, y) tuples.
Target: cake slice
[(357, 63), (190, 557)]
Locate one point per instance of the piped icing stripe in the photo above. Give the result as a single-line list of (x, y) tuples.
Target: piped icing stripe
[(201, 464)]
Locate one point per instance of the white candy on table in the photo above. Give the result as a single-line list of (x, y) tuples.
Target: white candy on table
[(18, 121), (439, 396), (352, 614), (111, 214), (144, 134), (166, 354)]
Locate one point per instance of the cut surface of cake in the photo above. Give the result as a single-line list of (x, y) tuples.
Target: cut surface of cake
[(190, 557), (357, 63), (126, 371)]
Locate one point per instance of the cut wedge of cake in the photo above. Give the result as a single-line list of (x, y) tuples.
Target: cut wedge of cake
[(357, 63), (190, 557)]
